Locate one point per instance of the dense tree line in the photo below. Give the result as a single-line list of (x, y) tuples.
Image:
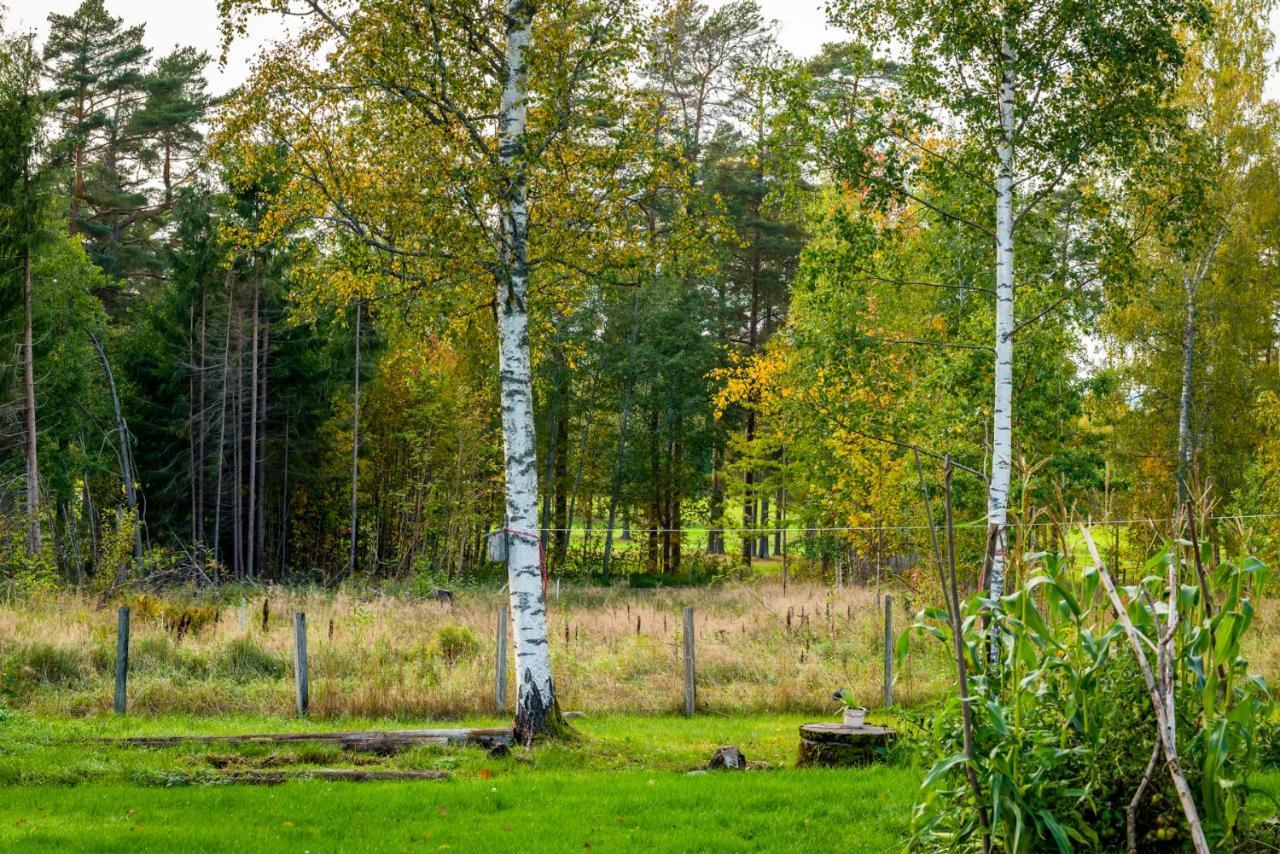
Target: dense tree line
[(256, 337)]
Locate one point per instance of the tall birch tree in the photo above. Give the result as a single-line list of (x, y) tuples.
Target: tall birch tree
[(1022, 97), (437, 134)]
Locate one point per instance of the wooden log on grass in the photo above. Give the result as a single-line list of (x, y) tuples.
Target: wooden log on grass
[(375, 741), (348, 775)]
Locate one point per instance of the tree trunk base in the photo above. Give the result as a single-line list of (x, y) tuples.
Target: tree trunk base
[(838, 746)]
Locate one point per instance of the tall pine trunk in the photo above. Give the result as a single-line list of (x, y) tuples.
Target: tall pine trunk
[(260, 525), (615, 487), (201, 428), (29, 394), (355, 451), (251, 519), (537, 711)]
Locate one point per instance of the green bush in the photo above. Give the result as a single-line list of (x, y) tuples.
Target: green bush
[(454, 642), (243, 660), (38, 664)]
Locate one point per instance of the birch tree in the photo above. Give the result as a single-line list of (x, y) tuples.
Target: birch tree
[(435, 134), (1190, 308), (1021, 97)]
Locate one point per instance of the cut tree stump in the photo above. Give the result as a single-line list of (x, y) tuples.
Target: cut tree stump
[(839, 746), (728, 758), (349, 775), (383, 742)]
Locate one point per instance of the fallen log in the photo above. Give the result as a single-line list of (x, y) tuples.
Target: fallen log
[(383, 742), (349, 775)]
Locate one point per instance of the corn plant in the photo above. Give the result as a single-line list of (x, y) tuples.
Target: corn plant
[(1064, 749)]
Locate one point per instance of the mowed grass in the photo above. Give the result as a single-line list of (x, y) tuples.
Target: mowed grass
[(623, 784), (626, 783), (553, 811)]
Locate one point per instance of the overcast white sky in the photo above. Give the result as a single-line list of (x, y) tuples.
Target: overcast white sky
[(195, 22)]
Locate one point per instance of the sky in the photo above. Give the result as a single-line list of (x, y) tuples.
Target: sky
[(802, 29)]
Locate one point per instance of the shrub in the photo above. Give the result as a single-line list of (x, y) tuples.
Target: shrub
[(244, 660), (42, 664), (454, 642)]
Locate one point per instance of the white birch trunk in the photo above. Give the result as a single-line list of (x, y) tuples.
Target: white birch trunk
[(1002, 413), (536, 710), (1184, 402)]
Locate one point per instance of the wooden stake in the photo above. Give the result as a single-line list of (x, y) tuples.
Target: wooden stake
[(500, 669), (888, 650), (300, 661), (690, 678), (122, 659)]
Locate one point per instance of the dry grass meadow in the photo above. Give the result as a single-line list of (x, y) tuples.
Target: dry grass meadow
[(615, 650)]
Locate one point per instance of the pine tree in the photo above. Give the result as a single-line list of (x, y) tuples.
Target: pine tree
[(97, 66)]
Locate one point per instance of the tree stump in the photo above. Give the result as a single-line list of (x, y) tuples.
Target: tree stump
[(840, 746), (728, 758)]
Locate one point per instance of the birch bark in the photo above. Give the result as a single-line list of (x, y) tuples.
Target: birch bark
[(1184, 400), (537, 712), (1002, 412)]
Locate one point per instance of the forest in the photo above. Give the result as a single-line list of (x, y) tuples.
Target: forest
[(626, 296), (243, 344)]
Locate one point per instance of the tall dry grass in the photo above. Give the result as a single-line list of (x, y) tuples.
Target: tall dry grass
[(615, 650)]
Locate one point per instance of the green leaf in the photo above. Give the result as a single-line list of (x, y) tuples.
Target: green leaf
[(940, 768)]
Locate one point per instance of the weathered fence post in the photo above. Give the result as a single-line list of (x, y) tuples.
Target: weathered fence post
[(300, 661), (690, 677), (122, 659), (500, 670), (244, 615), (888, 649)]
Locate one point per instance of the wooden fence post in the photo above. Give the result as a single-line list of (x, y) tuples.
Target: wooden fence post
[(888, 650), (500, 671), (690, 670), (122, 659), (300, 661)]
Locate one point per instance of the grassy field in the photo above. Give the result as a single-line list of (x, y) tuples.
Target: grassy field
[(767, 663), (624, 784), (615, 650)]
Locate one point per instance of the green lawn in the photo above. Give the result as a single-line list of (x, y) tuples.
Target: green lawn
[(624, 785), (551, 811)]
